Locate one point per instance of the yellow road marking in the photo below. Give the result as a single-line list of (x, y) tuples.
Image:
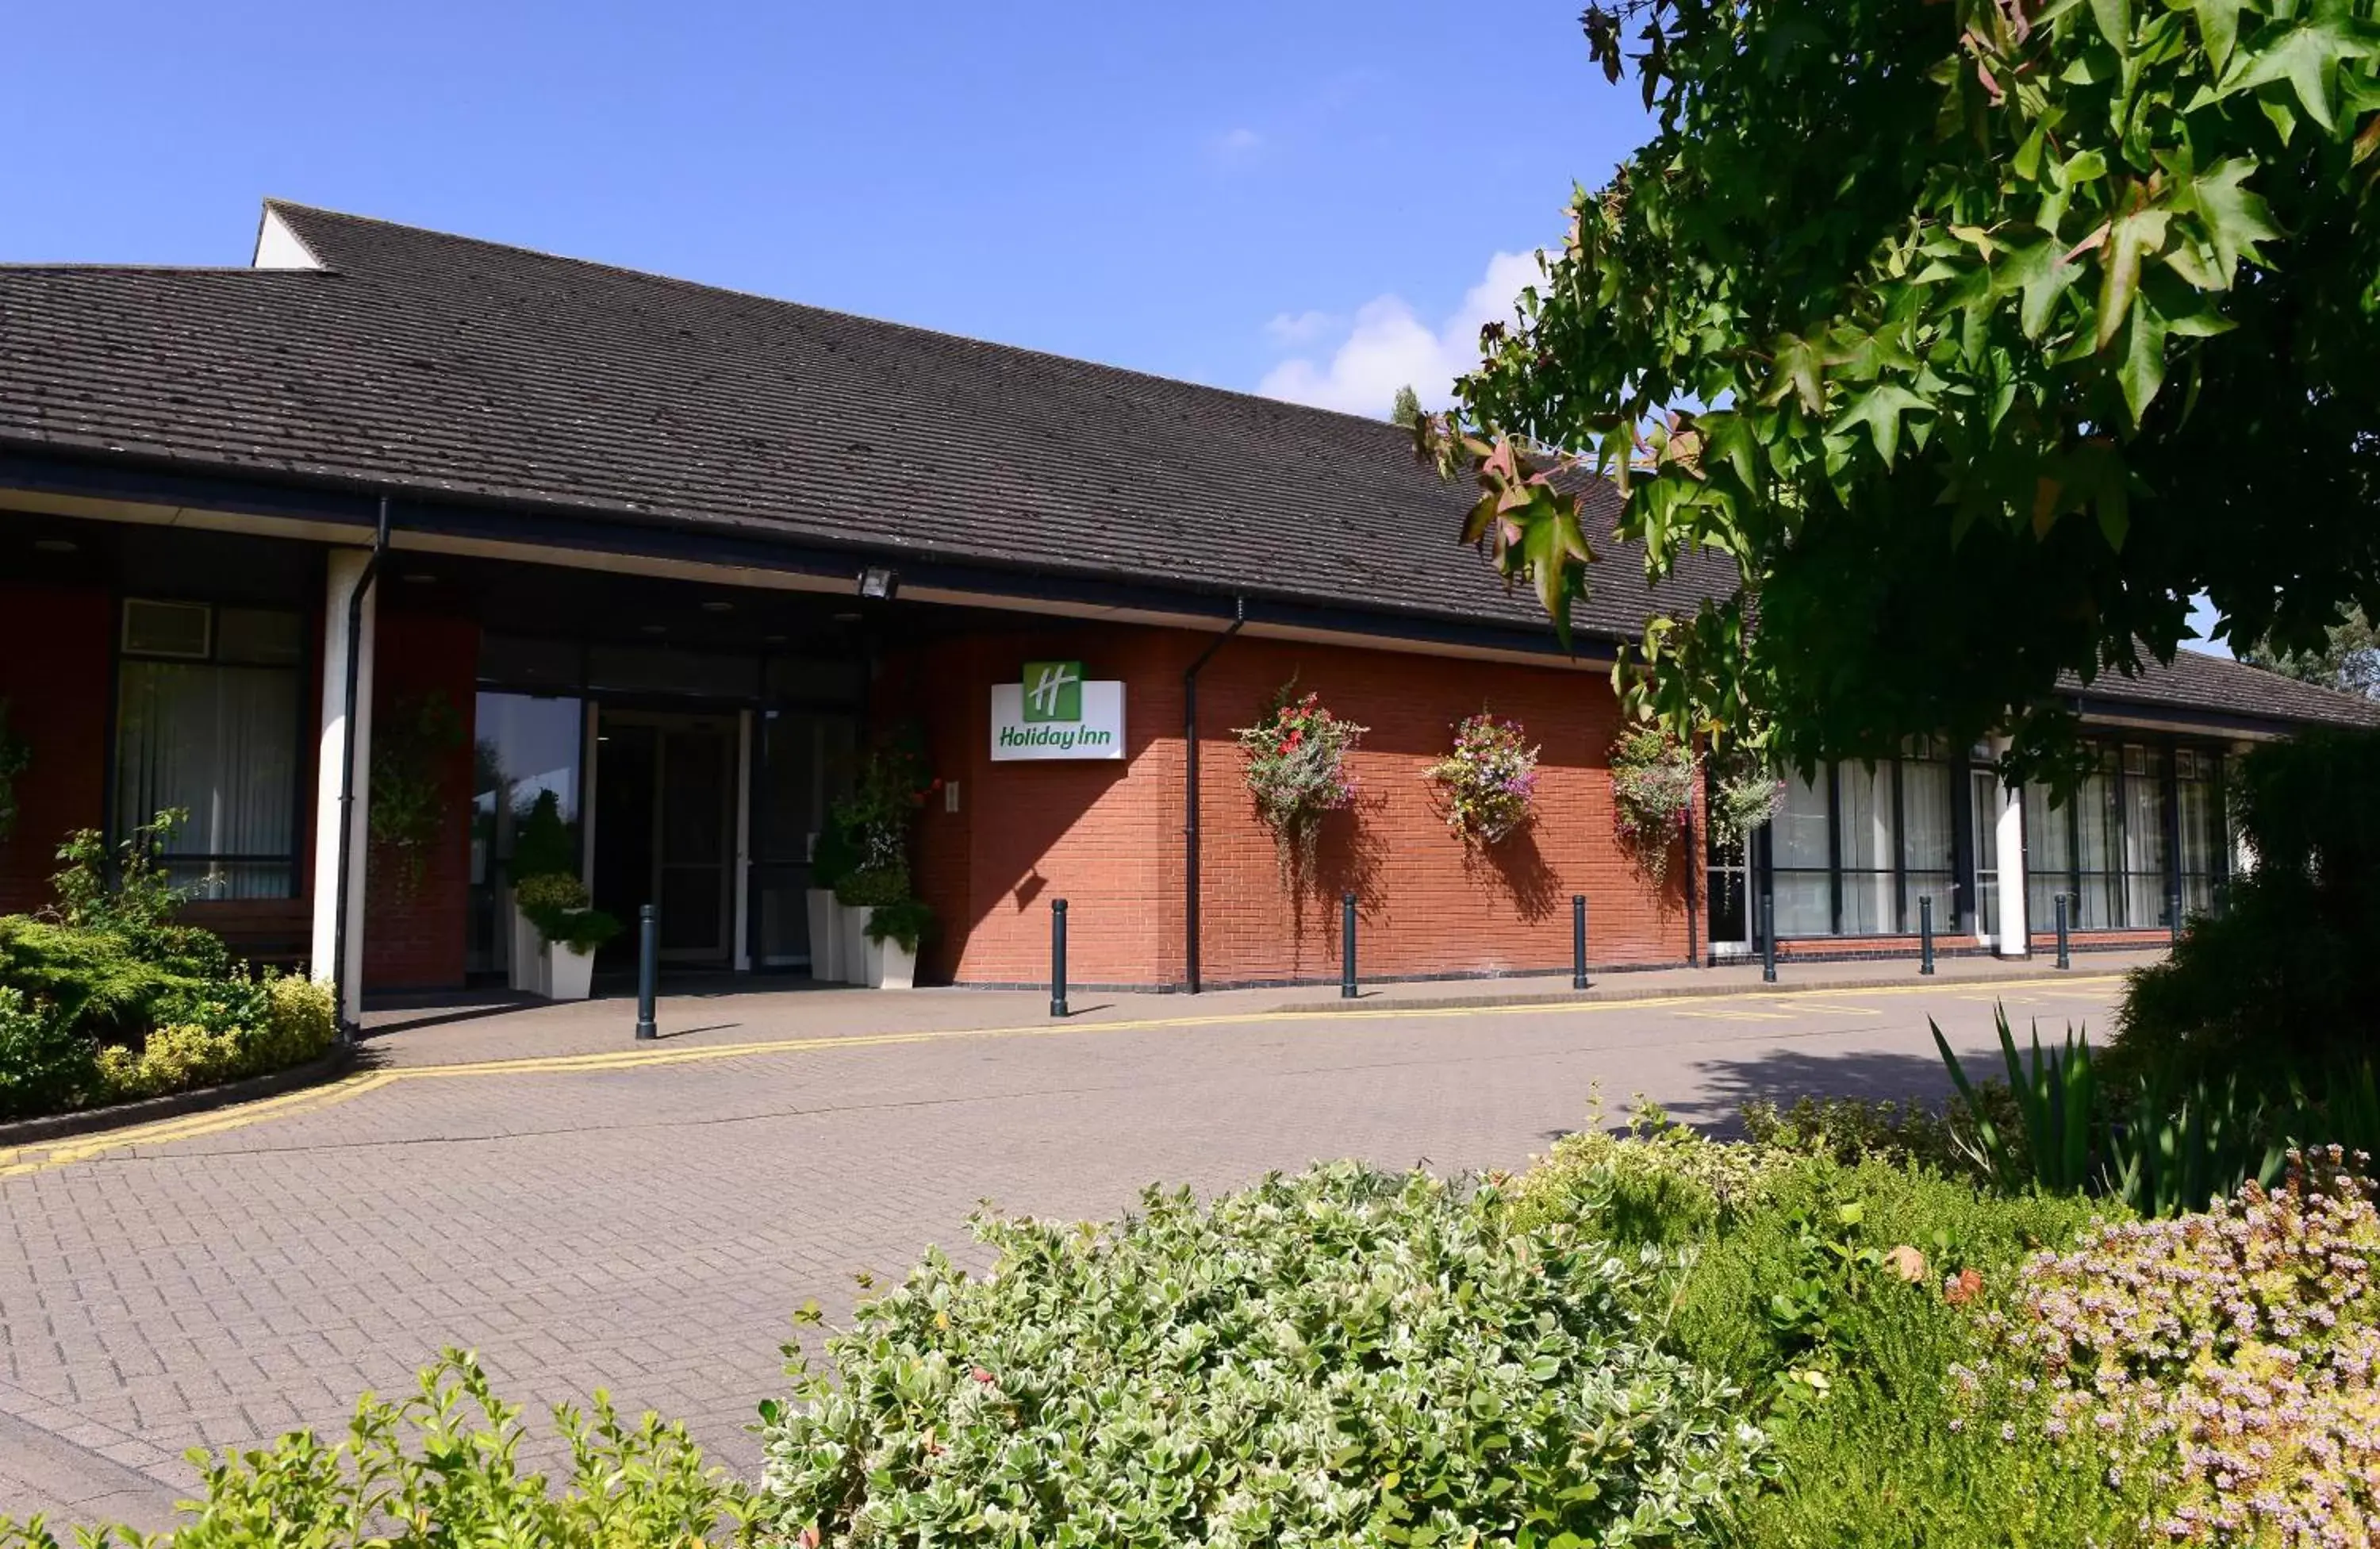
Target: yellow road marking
[(38, 1157)]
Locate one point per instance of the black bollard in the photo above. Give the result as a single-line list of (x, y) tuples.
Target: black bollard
[(1578, 941), (1057, 957), (1925, 934), (1347, 946), (1768, 936), (2063, 959), (648, 959)]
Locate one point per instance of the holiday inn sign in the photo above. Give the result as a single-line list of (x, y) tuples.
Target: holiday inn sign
[(1053, 711)]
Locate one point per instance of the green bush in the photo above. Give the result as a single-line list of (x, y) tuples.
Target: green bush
[(45, 1064), (905, 921), (1840, 1297), (1341, 1358), (2289, 977), (442, 1469), (873, 886), (544, 843), (556, 903), (294, 1023)]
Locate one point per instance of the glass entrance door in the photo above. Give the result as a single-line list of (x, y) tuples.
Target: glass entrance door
[(1731, 895), (664, 830)]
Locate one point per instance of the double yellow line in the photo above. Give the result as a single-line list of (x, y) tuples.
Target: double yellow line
[(39, 1157)]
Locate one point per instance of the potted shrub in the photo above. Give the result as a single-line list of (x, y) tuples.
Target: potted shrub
[(894, 930), (861, 894), (572, 933), (543, 844), (832, 856)]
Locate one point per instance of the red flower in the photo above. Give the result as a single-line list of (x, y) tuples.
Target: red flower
[(979, 1374), (1965, 1289)]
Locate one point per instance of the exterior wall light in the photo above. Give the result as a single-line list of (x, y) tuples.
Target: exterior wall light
[(878, 582)]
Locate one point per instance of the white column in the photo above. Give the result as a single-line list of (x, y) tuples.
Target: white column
[(741, 872), (2015, 934), (347, 568)]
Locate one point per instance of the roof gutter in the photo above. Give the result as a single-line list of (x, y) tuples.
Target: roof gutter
[(1190, 879), (348, 1030)]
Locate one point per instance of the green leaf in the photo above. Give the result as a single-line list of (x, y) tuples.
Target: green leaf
[(2143, 371), (2219, 28), (2307, 55), (1879, 408), (2236, 217), (2130, 239), (2115, 19)]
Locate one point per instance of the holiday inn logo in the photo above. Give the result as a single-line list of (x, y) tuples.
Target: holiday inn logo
[(1053, 690), (1051, 710)]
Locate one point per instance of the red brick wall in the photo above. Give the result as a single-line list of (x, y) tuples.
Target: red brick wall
[(1107, 837), (54, 655), (416, 941)]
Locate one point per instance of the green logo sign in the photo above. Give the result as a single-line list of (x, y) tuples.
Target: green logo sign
[(1053, 690)]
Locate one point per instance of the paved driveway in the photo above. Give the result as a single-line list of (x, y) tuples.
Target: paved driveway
[(646, 1220)]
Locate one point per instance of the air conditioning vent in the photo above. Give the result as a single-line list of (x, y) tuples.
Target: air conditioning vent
[(177, 630)]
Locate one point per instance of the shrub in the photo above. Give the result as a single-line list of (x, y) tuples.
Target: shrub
[(1857, 1128), (45, 1064), (293, 1023), (556, 903), (1657, 1182), (1342, 1356), (2233, 1352), (904, 920), (873, 886), (443, 1467), (2289, 975), (1487, 782), (544, 843)]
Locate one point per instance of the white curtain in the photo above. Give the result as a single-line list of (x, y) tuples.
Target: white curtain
[(1867, 797), (221, 743), (1925, 839), (2143, 836), (1805, 894)]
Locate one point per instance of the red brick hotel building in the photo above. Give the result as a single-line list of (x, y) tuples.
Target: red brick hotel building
[(673, 552)]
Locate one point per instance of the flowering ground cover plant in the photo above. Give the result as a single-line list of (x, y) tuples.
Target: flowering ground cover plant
[(1490, 781), (1298, 770), (1345, 1358), (2234, 1353)]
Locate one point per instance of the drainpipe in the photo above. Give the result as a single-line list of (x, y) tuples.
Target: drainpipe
[(347, 772), (1190, 791)]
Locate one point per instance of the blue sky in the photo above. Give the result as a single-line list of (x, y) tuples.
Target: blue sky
[(1205, 191), (1317, 202)]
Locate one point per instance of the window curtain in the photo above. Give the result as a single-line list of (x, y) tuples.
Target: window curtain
[(2144, 837), (1803, 856), (2202, 829), (1926, 843), (219, 742), (1870, 903)]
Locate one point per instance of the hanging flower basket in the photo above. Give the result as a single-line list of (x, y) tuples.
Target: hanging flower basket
[(1652, 787), (1488, 784), (1298, 770)]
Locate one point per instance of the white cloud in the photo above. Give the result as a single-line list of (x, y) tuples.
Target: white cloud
[(1388, 346), (1241, 141), (1291, 329)]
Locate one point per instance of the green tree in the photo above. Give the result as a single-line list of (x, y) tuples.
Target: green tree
[(1981, 334), (1406, 409), (2348, 660)]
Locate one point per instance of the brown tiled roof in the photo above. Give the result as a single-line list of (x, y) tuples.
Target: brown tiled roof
[(2199, 682), (471, 370)]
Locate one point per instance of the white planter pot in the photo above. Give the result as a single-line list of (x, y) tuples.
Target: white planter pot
[(891, 966), (569, 974), (527, 972), (826, 936), (852, 930)]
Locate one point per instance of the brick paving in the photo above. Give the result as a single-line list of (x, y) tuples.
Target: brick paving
[(651, 1228)]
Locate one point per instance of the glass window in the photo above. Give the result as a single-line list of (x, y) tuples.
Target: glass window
[(2200, 825), (1928, 859), (2144, 844), (214, 732), (525, 746), (1871, 898), (1803, 854), (807, 762), (1984, 803)]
